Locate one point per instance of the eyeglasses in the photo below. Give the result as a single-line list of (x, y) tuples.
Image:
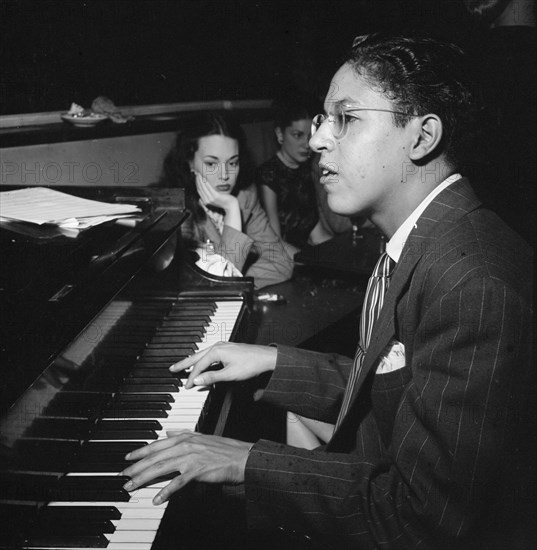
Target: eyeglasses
[(339, 119)]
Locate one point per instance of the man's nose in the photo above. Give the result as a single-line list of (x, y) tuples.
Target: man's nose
[(322, 139)]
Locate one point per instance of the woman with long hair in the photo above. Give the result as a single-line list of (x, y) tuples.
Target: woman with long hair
[(226, 216)]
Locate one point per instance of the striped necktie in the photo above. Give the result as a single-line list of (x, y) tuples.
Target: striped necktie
[(374, 298)]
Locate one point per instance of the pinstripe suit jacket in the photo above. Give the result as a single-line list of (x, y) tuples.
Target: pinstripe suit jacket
[(427, 453)]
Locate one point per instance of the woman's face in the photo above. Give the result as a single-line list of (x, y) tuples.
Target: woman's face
[(217, 160), (294, 141)]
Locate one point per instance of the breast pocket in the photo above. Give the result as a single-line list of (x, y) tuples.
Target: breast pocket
[(386, 395)]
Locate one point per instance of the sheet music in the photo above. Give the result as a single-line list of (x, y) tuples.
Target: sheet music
[(41, 205)]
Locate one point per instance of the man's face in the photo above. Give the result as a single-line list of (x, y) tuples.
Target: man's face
[(362, 171)]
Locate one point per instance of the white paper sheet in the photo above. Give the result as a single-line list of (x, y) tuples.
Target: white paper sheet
[(41, 205)]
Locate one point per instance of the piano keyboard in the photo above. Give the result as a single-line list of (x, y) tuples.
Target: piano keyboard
[(89, 508)]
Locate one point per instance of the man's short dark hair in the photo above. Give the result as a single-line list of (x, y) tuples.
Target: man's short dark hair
[(420, 75)]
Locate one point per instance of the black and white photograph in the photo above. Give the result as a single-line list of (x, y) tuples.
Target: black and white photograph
[(267, 274)]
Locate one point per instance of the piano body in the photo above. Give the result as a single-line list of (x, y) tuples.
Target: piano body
[(90, 324)]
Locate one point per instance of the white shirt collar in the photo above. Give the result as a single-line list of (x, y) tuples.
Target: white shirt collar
[(394, 247)]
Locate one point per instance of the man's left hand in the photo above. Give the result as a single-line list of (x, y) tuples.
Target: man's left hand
[(192, 456)]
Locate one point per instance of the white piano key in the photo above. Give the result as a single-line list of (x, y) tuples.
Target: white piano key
[(138, 524), (126, 546), (131, 536), (155, 512)]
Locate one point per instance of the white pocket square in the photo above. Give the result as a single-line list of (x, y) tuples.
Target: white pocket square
[(392, 358)]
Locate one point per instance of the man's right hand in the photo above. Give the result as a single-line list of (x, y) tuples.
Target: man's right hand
[(240, 362)]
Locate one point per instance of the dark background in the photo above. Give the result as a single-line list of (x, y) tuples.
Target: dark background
[(54, 52)]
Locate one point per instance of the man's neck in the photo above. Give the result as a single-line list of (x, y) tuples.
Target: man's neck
[(408, 193)]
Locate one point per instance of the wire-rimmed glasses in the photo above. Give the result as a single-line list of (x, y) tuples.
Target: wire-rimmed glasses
[(338, 120)]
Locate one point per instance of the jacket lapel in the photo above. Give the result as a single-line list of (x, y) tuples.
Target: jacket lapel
[(444, 211)]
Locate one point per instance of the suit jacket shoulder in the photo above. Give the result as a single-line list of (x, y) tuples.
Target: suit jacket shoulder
[(457, 238)]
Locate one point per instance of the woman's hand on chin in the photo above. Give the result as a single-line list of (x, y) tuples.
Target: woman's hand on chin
[(209, 196)]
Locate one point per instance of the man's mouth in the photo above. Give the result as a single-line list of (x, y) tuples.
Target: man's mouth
[(328, 171)]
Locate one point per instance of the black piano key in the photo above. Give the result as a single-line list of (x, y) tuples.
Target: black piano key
[(76, 513), (110, 448), (109, 425), (174, 338), (155, 366), (77, 404), (74, 527), (172, 353), (133, 405), (185, 303), (134, 413), (128, 429), (122, 434), (93, 483), (90, 489), (15, 520), (199, 309), (93, 467), (108, 375), (20, 486), (118, 408), (176, 315), (45, 455), (123, 398), (136, 381), (125, 405), (182, 327), (103, 457), (59, 428), (153, 372), (165, 388), (159, 362), (169, 349), (94, 458), (184, 331), (59, 541), (22, 511), (195, 306)]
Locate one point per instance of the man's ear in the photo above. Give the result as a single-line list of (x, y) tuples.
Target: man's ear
[(279, 134), (427, 136)]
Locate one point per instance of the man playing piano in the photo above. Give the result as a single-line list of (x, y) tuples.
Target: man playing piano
[(429, 418)]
